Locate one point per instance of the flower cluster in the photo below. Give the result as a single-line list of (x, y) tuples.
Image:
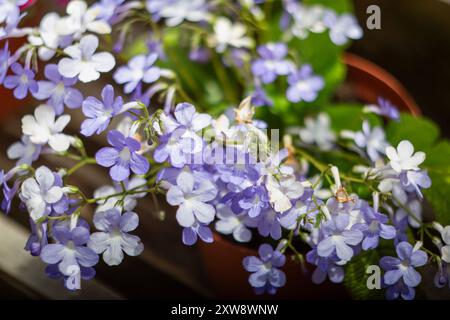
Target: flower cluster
[(183, 113)]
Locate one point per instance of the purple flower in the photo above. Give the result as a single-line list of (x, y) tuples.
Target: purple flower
[(191, 234), (400, 289), (235, 224), (192, 195), (22, 82), (9, 194), (200, 55), (342, 27), (272, 62), (99, 113), (375, 226), (52, 271), (25, 151), (122, 157), (114, 238), (402, 268), (139, 69), (338, 238), (4, 62), (70, 249), (326, 267), (182, 142), (58, 90), (304, 85), (441, 279), (260, 98), (37, 239), (385, 108), (255, 200), (269, 224), (265, 273), (415, 181)]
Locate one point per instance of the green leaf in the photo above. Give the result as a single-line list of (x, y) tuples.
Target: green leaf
[(420, 131)]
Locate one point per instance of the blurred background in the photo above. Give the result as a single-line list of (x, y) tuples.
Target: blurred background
[(413, 45)]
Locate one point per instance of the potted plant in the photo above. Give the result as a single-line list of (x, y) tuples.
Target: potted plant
[(234, 111)]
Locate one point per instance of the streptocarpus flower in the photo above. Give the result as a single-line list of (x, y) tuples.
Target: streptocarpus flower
[(197, 230), (402, 268), (374, 228), (231, 34), (266, 275), (58, 90), (99, 113), (384, 108), (44, 128), (140, 68), (415, 181), (176, 11), (326, 268), (372, 140), (4, 62), (122, 157), (22, 81), (304, 85), (342, 27), (317, 131), (192, 196), (445, 250), (40, 192), (272, 62), (83, 62), (70, 250), (230, 223), (404, 158), (338, 239), (24, 151), (114, 238)]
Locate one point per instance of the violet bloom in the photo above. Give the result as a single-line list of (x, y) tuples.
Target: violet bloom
[(99, 113), (139, 69), (192, 196), (122, 157), (400, 289), (304, 85), (375, 226), (255, 199), (182, 142), (58, 90), (326, 267), (415, 181), (269, 224), (22, 81), (52, 271), (4, 62), (37, 239), (272, 62), (266, 275), (114, 238), (8, 196), (260, 98), (402, 268), (441, 279), (25, 151), (70, 250), (342, 28), (338, 239), (192, 233), (384, 108)]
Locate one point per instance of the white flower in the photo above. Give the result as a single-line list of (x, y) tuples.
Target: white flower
[(374, 141), (25, 151), (404, 157), (306, 19), (342, 27), (176, 11), (48, 38), (230, 223), (445, 250), (228, 34), (40, 192), (318, 131), (282, 191), (81, 19), (84, 62), (44, 128)]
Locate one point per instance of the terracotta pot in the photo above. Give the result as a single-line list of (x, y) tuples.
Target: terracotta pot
[(368, 81), (223, 259)]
